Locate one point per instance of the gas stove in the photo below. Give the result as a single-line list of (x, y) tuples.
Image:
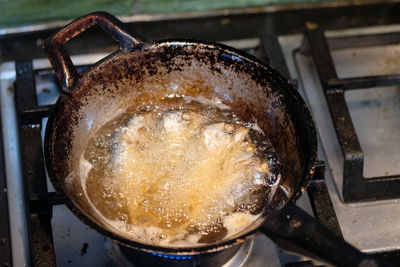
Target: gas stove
[(358, 137)]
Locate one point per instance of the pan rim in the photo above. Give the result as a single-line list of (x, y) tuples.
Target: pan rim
[(208, 248)]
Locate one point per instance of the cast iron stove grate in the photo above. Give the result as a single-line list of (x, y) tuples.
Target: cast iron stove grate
[(40, 201), (356, 188)]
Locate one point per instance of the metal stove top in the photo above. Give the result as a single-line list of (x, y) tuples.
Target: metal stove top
[(369, 225), (372, 226)]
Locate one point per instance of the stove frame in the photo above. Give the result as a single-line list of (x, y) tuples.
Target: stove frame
[(25, 46), (5, 237), (356, 188)]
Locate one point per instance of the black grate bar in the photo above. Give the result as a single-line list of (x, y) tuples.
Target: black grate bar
[(391, 257), (25, 84), (320, 52), (32, 160), (40, 232), (42, 204), (34, 115), (41, 238), (344, 126), (273, 54), (321, 202), (300, 264), (383, 178), (356, 187), (367, 40), (364, 82), (25, 95)]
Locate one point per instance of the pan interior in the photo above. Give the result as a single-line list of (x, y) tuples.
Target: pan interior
[(184, 176), (250, 90)]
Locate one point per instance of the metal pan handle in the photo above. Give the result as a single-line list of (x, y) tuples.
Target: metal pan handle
[(61, 61), (295, 230)]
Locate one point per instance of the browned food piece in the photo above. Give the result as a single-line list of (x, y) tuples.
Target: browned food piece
[(180, 174)]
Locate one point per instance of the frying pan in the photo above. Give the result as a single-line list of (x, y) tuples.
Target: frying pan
[(140, 72)]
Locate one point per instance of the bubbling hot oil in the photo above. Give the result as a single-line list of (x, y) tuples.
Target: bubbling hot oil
[(179, 176)]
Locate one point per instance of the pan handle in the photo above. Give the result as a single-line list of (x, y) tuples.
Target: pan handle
[(61, 61), (295, 230)]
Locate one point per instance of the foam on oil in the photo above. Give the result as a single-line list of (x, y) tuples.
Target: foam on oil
[(180, 174)]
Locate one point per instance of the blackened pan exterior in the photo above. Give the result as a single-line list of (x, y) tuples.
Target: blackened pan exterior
[(251, 88)]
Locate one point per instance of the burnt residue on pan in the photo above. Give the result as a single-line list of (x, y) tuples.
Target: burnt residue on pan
[(252, 89)]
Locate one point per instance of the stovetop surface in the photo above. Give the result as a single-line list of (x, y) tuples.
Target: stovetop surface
[(370, 226)]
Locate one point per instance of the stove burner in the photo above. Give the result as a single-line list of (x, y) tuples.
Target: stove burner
[(170, 257), (232, 257)]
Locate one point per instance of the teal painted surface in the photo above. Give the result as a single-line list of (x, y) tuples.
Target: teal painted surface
[(20, 12), (173, 6)]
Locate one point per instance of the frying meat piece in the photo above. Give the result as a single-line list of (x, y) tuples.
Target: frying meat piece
[(181, 173)]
